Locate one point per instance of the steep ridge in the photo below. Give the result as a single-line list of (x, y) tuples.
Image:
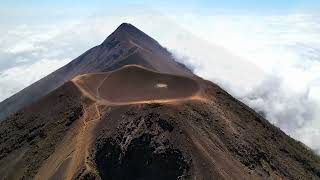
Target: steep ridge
[(137, 122), (127, 45)]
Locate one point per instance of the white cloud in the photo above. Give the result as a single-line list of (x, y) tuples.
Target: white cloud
[(15, 79), (286, 48), (272, 63)]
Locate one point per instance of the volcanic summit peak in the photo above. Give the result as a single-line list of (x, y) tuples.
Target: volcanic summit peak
[(126, 27), (129, 28), (128, 32)]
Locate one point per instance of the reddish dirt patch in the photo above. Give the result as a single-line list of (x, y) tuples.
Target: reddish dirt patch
[(138, 84)]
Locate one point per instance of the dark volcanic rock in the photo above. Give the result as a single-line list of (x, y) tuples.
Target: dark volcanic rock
[(135, 123)]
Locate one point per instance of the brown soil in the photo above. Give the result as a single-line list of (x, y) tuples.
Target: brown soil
[(133, 84), (196, 132)]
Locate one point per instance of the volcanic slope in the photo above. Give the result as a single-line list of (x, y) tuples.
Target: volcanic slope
[(136, 123), (126, 45)]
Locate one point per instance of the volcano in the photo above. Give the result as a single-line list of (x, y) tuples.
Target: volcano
[(126, 109)]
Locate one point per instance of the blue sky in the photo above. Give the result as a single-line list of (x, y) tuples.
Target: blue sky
[(203, 4), (40, 11)]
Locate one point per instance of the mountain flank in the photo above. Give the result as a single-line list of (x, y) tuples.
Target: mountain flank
[(126, 110)]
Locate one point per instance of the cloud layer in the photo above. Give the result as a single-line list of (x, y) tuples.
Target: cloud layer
[(272, 63), (286, 48)]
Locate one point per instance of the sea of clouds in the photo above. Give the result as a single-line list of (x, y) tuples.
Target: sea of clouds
[(271, 63)]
